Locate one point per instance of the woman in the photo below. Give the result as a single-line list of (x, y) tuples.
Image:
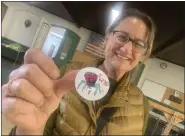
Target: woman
[(33, 93)]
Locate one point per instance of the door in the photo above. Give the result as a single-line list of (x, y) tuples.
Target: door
[(53, 41), (56, 42), (67, 48), (41, 34)]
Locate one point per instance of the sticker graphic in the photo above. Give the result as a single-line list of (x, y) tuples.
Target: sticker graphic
[(91, 83)]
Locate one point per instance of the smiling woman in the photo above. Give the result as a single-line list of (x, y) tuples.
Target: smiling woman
[(122, 111), (128, 40)]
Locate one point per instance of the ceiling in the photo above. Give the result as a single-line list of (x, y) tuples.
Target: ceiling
[(95, 16)]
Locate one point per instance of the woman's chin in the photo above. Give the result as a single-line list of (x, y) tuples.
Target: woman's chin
[(117, 65)]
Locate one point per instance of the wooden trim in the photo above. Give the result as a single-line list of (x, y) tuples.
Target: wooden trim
[(165, 109)]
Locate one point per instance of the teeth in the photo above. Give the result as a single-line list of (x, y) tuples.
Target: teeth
[(125, 58)]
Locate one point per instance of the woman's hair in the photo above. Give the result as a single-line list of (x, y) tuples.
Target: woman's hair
[(145, 18)]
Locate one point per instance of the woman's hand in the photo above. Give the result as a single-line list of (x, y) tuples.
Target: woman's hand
[(33, 92)]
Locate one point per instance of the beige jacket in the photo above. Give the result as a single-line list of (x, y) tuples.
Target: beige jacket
[(75, 116)]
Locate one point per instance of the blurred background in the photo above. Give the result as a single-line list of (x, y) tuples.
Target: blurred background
[(73, 30)]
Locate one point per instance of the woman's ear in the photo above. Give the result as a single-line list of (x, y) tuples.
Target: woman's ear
[(106, 37)]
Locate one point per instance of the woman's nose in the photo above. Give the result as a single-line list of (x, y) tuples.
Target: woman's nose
[(127, 47)]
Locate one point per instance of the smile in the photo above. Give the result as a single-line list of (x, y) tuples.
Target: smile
[(123, 57)]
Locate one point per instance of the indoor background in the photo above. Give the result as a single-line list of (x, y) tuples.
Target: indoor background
[(71, 30)]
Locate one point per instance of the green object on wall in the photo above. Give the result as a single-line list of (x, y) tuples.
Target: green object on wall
[(67, 48)]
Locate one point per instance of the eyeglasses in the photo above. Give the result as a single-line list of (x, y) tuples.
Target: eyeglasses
[(122, 38)]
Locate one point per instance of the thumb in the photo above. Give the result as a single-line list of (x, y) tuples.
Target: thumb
[(66, 83)]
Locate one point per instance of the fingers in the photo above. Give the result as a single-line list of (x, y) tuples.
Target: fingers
[(35, 76), (12, 106), (66, 83), (22, 88), (17, 110), (36, 56), (9, 104)]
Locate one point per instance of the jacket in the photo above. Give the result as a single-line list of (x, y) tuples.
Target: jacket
[(76, 116)]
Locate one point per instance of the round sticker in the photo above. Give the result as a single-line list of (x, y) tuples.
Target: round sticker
[(91, 83)]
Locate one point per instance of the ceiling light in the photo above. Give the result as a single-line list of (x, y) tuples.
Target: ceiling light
[(114, 14)]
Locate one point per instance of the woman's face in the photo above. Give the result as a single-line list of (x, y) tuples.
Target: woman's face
[(121, 53)]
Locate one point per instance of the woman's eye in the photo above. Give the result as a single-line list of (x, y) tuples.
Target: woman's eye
[(122, 38), (140, 44)]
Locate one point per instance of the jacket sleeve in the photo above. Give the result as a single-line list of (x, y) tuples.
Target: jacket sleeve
[(50, 124), (146, 113)]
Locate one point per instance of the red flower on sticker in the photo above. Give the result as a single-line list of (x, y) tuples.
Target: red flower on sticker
[(90, 79)]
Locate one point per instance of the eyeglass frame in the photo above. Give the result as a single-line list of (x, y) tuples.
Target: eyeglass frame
[(133, 41)]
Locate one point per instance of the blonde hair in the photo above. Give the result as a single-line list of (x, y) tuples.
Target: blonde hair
[(145, 18)]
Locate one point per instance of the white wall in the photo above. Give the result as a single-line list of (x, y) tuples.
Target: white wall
[(50, 18), (172, 76), (16, 29), (153, 90)]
